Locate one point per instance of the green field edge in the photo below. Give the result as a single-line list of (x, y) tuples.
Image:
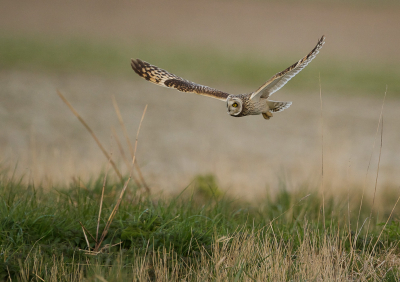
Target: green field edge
[(201, 64)]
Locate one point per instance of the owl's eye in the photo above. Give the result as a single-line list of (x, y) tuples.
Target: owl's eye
[(234, 105)]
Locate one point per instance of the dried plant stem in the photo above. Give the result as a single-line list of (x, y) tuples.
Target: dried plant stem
[(322, 153), (84, 233), (141, 177), (37, 277), (114, 212), (306, 196), (376, 180), (112, 215), (137, 135), (121, 150), (369, 164), (101, 201), (91, 132), (132, 151), (390, 216)]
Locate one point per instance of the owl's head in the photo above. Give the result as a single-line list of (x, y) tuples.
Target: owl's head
[(235, 105)]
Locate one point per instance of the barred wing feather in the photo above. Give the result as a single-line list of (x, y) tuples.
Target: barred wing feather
[(281, 78), (163, 78)]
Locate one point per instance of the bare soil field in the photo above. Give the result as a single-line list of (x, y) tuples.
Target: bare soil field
[(184, 135)]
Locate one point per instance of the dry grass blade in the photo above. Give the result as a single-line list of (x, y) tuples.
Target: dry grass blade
[(91, 133), (84, 234), (37, 276), (101, 201), (137, 135), (141, 177), (84, 229), (100, 278), (379, 163), (322, 152), (369, 163), (387, 221), (132, 151), (9, 275), (114, 211), (79, 183), (93, 253), (121, 150), (376, 180), (110, 219), (306, 196)]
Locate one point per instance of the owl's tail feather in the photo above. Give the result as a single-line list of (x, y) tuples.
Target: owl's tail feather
[(276, 106)]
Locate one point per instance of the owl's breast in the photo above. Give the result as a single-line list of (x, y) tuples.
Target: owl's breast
[(253, 107)]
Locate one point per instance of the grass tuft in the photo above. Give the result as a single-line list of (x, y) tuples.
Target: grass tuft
[(188, 237)]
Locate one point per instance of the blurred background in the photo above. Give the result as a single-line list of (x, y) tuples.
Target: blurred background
[(83, 48)]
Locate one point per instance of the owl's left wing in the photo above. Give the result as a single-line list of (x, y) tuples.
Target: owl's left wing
[(163, 78), (281, 78)]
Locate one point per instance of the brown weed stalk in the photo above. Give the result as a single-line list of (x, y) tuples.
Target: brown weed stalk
[(91, 133), (131, 149)]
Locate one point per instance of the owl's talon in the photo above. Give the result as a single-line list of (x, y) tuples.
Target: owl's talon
[(267, 115)]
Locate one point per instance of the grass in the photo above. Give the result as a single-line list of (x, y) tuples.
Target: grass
[(207, 66), (194, 236)]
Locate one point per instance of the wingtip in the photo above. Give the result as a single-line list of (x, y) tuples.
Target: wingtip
[(135, 64)]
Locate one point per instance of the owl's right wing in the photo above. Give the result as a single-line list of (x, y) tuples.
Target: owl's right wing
[(281, 78), (163, 78)]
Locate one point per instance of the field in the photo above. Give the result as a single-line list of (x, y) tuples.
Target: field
[(310, 195)]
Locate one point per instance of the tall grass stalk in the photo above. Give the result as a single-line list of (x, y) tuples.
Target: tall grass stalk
[(91, 133), (131, 149), (369, 164)]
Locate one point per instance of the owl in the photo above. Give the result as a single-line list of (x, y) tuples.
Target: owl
[(254, 103)]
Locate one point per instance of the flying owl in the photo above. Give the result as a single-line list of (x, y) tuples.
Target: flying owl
[(254, 103)]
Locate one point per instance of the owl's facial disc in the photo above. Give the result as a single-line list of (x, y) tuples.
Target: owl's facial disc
[(234, 106)]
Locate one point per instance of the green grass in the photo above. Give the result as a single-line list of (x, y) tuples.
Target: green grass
[(205, 66), (189, 235)]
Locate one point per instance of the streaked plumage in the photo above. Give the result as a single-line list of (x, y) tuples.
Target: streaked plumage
[(240, 105)]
